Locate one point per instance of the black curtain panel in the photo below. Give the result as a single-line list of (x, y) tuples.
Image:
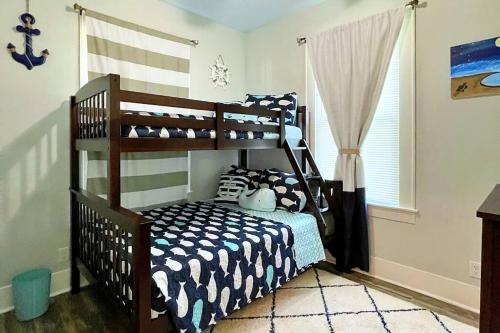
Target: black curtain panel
[(350, 241)]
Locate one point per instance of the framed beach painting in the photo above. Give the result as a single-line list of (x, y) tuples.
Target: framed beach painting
[(475, 69)]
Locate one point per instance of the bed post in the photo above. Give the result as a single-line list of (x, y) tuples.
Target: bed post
[(243, 158), (282, 129), (113, 133), (141, 289), (302, 115), (219, 126), (74, 185)]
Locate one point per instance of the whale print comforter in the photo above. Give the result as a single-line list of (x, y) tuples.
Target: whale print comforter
[(208, 261), (139, 131)]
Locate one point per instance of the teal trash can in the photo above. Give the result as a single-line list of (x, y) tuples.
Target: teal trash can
[(31, 293)]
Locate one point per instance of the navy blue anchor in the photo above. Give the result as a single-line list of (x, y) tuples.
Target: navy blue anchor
[(28, 59)]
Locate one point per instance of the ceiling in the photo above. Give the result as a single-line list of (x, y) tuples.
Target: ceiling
[(243, 15)]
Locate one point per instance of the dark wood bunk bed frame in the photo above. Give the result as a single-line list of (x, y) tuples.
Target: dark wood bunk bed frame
[(98, 224)]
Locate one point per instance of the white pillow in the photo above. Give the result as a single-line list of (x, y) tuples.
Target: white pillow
[(263, 199)]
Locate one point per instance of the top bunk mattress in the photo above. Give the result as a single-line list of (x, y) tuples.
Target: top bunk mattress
[(138, 131)]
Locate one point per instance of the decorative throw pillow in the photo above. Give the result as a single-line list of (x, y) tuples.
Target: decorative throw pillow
[(263, 199), (230, 188), (254, 176), (285, 103), (289, 195)]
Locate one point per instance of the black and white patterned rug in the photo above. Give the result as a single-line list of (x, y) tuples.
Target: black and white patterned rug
[(318, 302)]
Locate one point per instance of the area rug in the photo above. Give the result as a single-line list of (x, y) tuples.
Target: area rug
[(321, 302)]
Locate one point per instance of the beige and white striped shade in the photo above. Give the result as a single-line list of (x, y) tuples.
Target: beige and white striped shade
[(147, 61)]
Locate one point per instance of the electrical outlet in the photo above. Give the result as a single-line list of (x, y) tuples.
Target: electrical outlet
[(475, 269), (63, 254)]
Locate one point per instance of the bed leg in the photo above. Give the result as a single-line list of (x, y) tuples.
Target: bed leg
[(75, 279), (75, 272)]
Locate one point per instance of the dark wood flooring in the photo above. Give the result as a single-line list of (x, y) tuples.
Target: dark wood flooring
[(89, 311)]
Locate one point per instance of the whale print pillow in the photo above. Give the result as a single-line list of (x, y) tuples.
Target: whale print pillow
[(254, 176), (289, 195), (285, 103)]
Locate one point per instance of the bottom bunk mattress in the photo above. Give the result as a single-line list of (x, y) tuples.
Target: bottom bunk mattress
[(208, 261), (307, 240)]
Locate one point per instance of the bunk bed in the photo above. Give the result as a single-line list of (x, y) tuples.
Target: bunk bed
[(123, 250)]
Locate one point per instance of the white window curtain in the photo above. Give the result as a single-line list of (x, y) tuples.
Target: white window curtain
[(350, 64), (388, 149)]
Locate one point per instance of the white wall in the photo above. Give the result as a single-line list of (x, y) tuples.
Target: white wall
[(457, 141), (34, 136)]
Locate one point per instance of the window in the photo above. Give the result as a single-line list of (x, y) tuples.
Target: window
[(388, 149), (380, 149), (325, 149)]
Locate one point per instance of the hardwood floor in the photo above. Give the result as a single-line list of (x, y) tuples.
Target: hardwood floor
[(89, 311)]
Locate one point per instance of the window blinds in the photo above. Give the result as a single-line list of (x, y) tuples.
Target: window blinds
[(380, 149), (325, 149)]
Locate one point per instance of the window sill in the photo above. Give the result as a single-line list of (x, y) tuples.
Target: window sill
[(397, 214)]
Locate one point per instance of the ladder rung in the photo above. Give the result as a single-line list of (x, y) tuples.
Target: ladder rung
[(309, 177), (298, 148), (324, 210)]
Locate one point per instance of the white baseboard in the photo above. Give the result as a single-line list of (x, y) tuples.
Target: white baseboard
[(60, 284), (442, 288)]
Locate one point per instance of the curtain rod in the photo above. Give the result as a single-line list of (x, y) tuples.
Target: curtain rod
[(414, 4), (79, 9)]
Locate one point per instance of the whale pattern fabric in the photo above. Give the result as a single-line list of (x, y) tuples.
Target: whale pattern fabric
[(139, 131), (253, 175), (208, 261), (307, 240), (285, 103), (289, 194)]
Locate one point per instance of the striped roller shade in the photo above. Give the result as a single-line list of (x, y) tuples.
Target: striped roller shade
[(147, 61)]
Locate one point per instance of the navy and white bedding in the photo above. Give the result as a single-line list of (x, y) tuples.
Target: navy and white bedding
[(133, 131), (285, 103), (208, 261), (136, 131), (307, 241)]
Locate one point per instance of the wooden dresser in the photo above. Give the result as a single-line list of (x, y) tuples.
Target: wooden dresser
[(490, 263)]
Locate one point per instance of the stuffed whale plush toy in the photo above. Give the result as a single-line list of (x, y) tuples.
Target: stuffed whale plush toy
[(262, 199)]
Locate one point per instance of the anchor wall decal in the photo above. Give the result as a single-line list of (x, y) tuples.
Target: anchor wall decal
[(28, 59)]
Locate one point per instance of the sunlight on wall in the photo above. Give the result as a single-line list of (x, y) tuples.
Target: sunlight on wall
[(29, 171)]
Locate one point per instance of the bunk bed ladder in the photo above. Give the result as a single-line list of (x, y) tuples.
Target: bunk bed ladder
[(303, 181), (324, 187)]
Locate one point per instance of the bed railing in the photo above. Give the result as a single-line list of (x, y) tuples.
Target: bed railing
[(114, 247), (98, 116), (91, 109)]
